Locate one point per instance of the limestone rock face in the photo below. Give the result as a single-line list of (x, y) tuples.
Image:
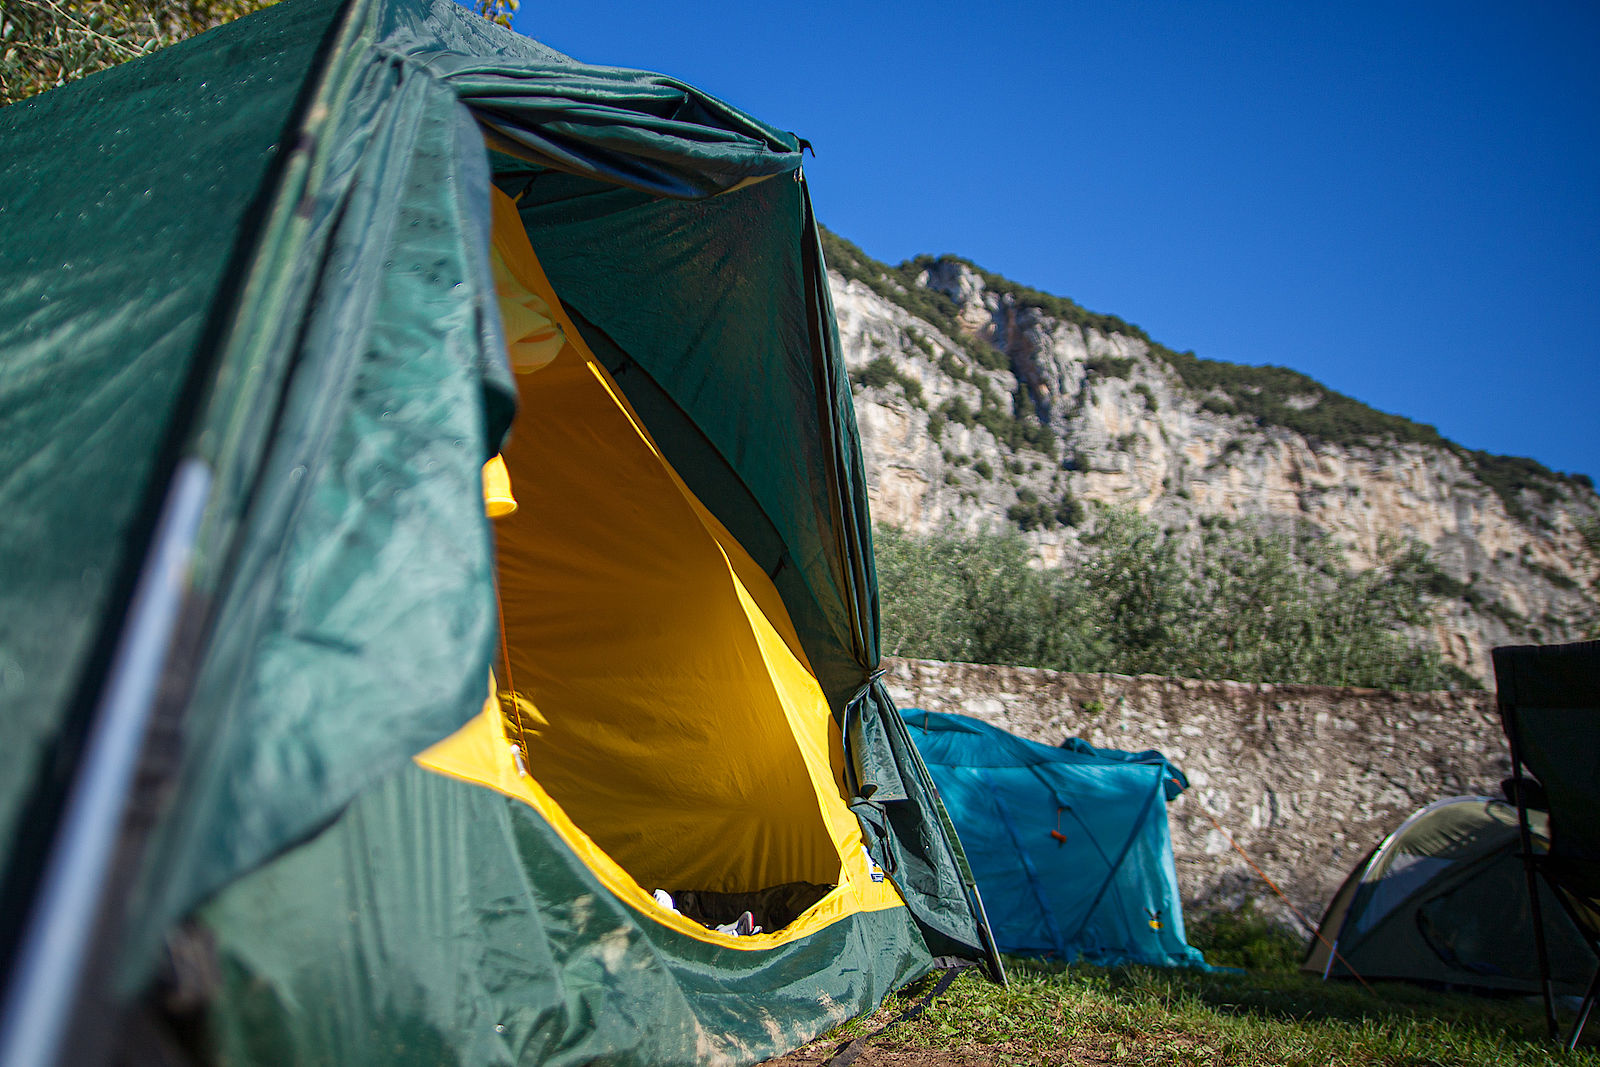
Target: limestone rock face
[(952, 431)]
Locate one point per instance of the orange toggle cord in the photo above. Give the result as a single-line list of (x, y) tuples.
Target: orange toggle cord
[(1060, 837)]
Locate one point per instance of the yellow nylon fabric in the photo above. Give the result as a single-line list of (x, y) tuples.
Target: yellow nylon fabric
[(532, 337), (673, 735), (481, 753), (498, 499)]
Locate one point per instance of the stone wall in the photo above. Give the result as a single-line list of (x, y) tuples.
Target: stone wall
[(1305, 778)]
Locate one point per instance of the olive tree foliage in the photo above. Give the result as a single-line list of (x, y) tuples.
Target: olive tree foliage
[(1287, 606), (1242, 603), (46, 43), (977, 599)]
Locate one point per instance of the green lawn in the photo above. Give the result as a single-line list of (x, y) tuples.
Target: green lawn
[(1137, 1015)]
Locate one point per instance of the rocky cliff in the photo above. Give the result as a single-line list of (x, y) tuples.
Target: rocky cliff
[(984, 404)]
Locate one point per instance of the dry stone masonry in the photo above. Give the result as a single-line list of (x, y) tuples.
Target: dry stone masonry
[(1306, 779)]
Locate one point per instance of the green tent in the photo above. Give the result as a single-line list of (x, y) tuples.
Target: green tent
[(1443, 900), (292, 721)]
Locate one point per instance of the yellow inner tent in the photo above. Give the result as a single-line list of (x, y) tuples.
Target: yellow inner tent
[(664, 719)]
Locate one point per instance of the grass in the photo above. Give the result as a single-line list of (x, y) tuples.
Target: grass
[(1151, 1016), (1145, 1016)]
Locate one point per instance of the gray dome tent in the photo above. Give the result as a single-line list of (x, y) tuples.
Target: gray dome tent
[(1443, 900)]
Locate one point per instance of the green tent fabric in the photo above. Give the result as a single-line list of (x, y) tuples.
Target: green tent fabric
[(265, 250), (497, 946), (115, 263), (1443, 900)]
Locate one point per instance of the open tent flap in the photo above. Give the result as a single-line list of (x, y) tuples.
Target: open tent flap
[(700, 312), (668, 722)]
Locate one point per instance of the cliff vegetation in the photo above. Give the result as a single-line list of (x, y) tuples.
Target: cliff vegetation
[(1238, 602)]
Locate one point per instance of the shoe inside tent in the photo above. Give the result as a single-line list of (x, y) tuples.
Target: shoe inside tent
[(1070, 845), (408, 782), (1444, 901)]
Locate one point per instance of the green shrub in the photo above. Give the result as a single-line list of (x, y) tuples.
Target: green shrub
[(1551, 575), (1506, 614), (875, 375), (1031, 515), (1589, 529), (953, 367), (955, 410), (1107, 367), (1246, 939), (1439, 584), (1240, 603), (881, 372), (1069, 510)]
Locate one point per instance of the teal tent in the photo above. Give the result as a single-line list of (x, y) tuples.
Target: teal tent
[(303, 742), (1070, 845)]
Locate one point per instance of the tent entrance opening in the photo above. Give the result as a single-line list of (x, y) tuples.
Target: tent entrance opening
[(655, 699)]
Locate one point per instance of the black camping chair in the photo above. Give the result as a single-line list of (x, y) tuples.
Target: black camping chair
[(1549, 697)]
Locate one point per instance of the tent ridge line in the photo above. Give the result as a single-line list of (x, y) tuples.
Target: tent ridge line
[(289, 196)]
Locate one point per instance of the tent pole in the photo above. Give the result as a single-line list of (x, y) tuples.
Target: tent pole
[(1584, 1009), (55, 944)]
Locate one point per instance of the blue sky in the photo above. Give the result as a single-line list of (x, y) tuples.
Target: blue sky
[(1401, 200)]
